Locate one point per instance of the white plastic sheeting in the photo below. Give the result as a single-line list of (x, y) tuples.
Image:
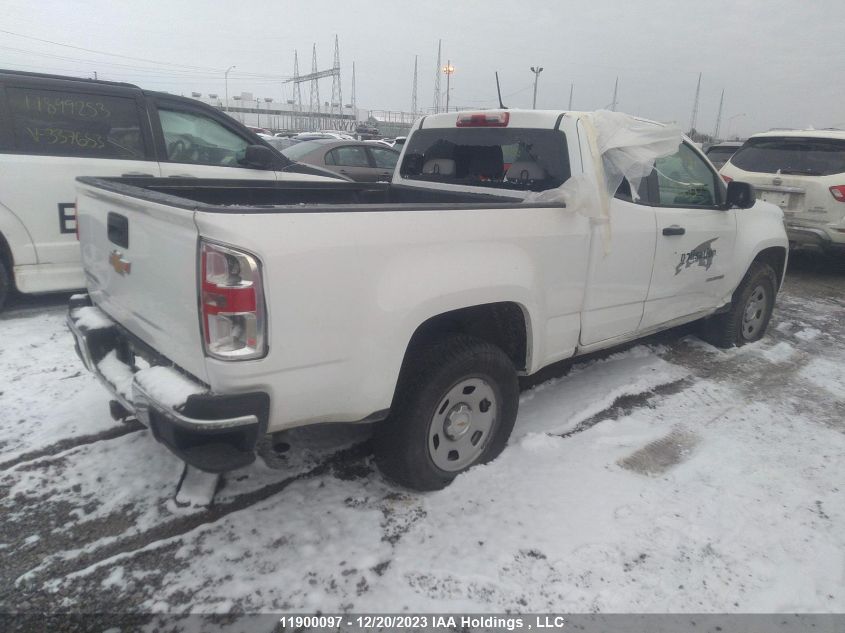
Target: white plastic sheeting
[(621, 147)]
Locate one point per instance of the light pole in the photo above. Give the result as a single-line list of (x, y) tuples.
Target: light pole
[(226, 79), (731, 120), (448, 69), (536, 72)]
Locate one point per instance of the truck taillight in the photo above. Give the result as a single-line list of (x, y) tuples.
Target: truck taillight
[(726, 178), (838, 192), (483, 119), (232, 302)]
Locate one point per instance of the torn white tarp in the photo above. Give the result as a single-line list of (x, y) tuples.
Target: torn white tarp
[(621, 147)]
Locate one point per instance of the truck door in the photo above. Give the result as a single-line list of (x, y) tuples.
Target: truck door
[(58, 131), (695, 238), (620, 273), (196, 143)]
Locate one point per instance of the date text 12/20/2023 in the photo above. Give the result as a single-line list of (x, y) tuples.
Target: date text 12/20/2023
[(412, 622)]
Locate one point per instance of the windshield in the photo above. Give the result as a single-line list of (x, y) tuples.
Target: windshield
[(506, 158), (720, 155), (792, 155), (295, 152)]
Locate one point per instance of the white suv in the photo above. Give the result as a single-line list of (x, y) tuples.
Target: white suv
[(803, 172)]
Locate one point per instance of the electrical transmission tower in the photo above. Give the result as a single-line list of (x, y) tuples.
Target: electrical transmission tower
[(694, 116), (297, 93), (314, 114), (336, 104), (315, 92), (719, 117), (414, 92), (437, 80)]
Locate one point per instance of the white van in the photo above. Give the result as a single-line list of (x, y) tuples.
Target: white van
[(54, 128)]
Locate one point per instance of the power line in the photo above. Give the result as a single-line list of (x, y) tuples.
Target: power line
[(183, 68)]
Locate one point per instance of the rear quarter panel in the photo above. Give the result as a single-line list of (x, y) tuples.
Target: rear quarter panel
[(346, 291)]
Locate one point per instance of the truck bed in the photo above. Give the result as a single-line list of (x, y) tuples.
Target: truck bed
[(252, 196)]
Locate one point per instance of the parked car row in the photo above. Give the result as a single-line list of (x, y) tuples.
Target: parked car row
[(362, 161)]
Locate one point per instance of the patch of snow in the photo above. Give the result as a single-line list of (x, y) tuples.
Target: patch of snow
[(808, 334), (91, 318), (197, 488), (117, 373), (778, 353), (167, 386), (559, 405), (826, 374), (46, 394)]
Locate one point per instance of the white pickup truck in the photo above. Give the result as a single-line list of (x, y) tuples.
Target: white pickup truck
[(219, 311)]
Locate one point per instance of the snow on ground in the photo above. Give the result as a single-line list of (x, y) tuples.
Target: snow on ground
[(46, 394), (670, 476)]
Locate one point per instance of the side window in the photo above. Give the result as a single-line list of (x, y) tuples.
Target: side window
[(61, 123), (384, 158), (685, 180), (624, 191), (350, 156), (194, 138)]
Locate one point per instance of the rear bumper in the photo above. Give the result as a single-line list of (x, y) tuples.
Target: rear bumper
[(812, 236), (214, 433)]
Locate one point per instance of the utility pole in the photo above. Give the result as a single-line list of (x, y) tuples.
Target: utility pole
[(414, 92), (95, 75), (354, 104), (719, 117), (437, 80), (226, 80), (571, 90), (536, 70), (448, 69), (694, 116), (615, 94)]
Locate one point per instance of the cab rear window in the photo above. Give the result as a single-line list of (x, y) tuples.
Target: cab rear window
[(61, 123), (792, 155), (505, 158)]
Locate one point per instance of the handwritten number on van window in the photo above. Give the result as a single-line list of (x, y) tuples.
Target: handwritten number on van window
[(57, 106), (67, 217), (59, 136)]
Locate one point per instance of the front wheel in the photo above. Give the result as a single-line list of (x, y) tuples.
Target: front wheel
[(5, 283), (750, 310), (455, 406)]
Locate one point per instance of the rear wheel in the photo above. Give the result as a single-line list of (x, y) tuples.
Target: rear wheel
[(750, 310), (455, 406)]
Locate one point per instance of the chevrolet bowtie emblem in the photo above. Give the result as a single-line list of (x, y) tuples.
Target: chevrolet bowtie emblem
[(120, 265)]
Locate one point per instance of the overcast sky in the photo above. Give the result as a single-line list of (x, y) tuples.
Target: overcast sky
[(781, 64)]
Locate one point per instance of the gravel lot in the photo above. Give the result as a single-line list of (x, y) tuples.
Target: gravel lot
[(667, 476)]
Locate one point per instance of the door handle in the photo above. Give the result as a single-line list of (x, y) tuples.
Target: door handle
[(674, 230), (136, 174)]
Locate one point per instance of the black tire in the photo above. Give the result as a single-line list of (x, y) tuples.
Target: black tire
[(416, 434), (755, 297), (5, 283)]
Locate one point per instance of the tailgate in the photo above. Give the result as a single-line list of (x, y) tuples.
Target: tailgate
[(140, 261)]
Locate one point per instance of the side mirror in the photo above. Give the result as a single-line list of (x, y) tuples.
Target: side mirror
[(740, 195), (412, 165), (259, 157)]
